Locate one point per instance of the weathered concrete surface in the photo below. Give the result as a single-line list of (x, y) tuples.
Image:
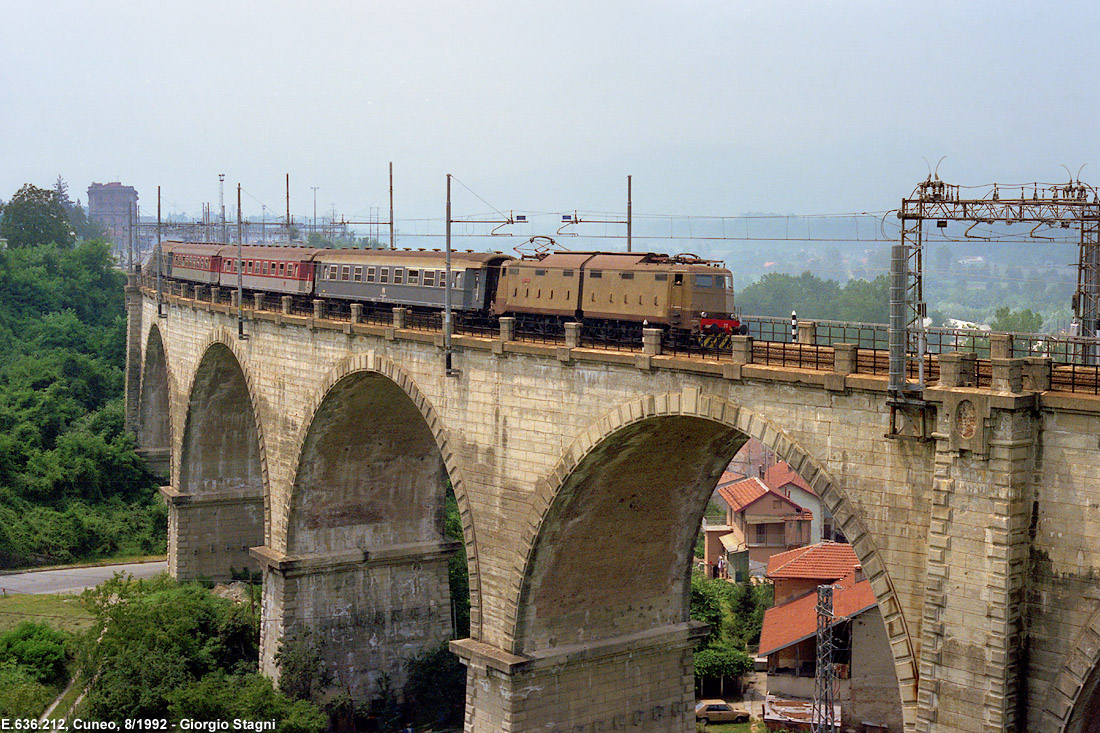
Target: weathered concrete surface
[(571, 464)]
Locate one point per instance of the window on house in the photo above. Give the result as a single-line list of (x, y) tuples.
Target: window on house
[(761, 534)]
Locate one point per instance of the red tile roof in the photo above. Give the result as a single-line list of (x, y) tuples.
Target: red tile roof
[(781, 474), (740, 494), (823, 561), (797, 620), (729, 477)]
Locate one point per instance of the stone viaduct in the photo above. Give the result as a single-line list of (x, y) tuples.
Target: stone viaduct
[(318, 452)]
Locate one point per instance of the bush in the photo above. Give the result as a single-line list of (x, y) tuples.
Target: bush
[(21, 696), (36, 649)]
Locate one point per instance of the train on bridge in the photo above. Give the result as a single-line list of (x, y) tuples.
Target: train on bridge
[(614, 294)]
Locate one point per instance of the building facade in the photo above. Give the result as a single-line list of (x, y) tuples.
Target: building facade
[(115, 207)]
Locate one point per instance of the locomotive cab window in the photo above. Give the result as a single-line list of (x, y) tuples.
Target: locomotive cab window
[(595, 273), (678, 278), (704, 281), (567, 273), (626, 275)]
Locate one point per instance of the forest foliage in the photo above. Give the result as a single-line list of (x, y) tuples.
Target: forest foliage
[(71, 485)]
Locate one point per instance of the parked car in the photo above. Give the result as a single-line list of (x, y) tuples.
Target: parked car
[(719, 711)]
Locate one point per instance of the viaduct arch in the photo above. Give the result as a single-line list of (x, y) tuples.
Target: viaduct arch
[(985, 573)]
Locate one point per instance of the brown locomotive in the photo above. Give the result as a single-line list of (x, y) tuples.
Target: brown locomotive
[(617, 293)]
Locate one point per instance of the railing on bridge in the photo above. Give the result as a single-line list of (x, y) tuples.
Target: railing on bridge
[(1075, 361)]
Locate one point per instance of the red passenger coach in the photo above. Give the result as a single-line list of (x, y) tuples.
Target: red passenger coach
[(196, 263), (270, 269)]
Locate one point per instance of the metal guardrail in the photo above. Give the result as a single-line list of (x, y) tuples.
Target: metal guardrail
[(1075, 360)]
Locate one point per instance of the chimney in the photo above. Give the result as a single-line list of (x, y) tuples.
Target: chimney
[(762, 471), (860, 577)]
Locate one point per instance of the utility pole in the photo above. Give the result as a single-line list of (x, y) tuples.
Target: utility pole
[(823, 719), (287, 209), (240, 271), (447, 290), (391, 206), (130, 236), (224, 236), (629, 218), (160, 295), (314, 230)]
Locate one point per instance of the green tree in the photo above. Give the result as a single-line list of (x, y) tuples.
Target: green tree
[(221, 696), (152, 637), (1009, 321), (36, 216)]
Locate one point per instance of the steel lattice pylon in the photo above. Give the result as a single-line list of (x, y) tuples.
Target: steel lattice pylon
[(823, 719), (1073, 204)]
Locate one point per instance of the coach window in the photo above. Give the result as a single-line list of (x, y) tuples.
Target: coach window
[(282, 269), (357, 274), (397, 275), (384, 275), (441, 279), (265, 268), (370, 274), (345, 272), (414, 277), (429, 278)]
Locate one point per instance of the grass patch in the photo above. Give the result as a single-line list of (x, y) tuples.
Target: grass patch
[(61, 612)]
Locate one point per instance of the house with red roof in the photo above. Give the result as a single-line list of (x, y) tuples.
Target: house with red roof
[(759, 523), (866, 685), (782, 478)]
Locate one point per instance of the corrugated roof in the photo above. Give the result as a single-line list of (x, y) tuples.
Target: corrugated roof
[(781, 474), (740, 494), (797, 620), (823, 561)]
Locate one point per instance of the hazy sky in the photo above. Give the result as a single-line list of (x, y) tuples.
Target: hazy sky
[(715, 108)]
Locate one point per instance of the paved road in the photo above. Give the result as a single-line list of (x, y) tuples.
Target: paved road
[(74, 580)]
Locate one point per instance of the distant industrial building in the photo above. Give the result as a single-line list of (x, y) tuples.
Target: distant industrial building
[(113, 205)]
